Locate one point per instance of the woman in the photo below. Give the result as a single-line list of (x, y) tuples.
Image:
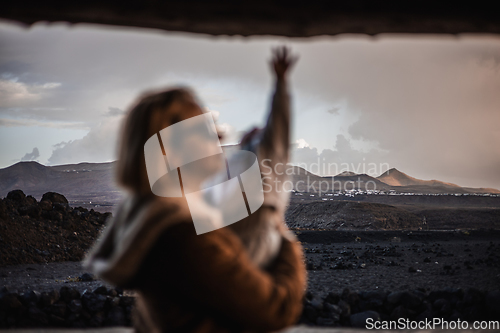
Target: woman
[(209, 282)]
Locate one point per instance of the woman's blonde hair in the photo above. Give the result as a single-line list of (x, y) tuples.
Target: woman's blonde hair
[(152, 113)]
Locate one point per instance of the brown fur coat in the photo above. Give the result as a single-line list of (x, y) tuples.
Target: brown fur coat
[(208, 283), (201, 283)]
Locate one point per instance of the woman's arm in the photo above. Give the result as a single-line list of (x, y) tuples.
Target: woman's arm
[(273, 142), (275, 136)]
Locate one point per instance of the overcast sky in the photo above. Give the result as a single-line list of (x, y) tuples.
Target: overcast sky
[(427, 105)]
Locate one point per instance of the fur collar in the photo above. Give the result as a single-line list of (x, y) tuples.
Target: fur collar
[(130, 234)]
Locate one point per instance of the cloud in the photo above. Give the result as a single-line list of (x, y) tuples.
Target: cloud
[(301, 143), (432, 103), (229, 134), (99, 145), (31, 156), (330, 162), (15, 93), (112, 111), (6, 122), (335, 110)]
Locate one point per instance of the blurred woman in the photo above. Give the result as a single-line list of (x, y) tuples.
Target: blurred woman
[(232, 279)]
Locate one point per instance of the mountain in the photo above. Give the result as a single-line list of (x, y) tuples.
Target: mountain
[(394, 177), (400, 181), (305, 181), (86, 182), (25, 175), (78, 182), (359, 181), (346, 174)]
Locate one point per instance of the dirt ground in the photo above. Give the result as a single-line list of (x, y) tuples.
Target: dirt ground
[(401, 260), (386, 212), (46, 277), (41, 244), (359, 260)]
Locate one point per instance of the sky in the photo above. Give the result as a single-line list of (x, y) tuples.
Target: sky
[(428, 105)]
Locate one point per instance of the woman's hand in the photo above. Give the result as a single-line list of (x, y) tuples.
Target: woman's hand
[(282, 61), (249, 136)]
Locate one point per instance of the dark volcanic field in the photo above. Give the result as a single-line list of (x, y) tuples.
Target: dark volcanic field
[(387, 212), (56, 236), (360, 260), (401, 260), (360, 255)]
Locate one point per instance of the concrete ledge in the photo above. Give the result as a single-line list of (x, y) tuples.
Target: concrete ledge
[(295, 329), (70, 330), (76, 330)]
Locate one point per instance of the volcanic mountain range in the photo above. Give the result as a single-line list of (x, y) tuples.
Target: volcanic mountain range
[(95, 181)]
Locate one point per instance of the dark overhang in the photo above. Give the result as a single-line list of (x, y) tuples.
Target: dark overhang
[(259, 17)]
